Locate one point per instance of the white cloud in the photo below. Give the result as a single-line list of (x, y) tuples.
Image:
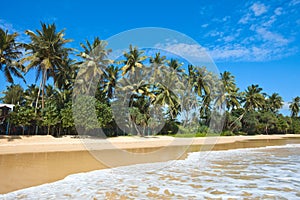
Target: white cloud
[(259, 31), (7, 26), (190, 52), (272, 37), (11, 29), (204, 25), (258, 9), (285, 106), (245, 19), (254, 53)]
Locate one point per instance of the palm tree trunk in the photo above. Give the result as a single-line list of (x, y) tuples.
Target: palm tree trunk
[(137, 130), (37, 98), (43, 87)]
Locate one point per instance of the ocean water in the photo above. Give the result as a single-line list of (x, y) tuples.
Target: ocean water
[(253, 173)]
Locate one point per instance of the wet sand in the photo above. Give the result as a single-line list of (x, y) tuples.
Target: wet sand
[(37, 160)]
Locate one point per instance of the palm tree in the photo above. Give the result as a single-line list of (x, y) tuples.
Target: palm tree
[(157, 64), (167, 91), (46, 53), (134, 60), (9, 53), (13, 95), (295, 106), (30, 95), (202, 81), (253, 98), (230, 93), (95, 61), (65, 75), (274, 103), (175, 65), (111, 77)]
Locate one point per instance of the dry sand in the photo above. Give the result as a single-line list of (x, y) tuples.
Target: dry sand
[(34, 144)]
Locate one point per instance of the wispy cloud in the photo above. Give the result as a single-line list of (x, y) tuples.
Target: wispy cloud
[(254, 32), (294, 2), (5, 25), (204, 25), (277, 39), (187, 51), (258, 9)]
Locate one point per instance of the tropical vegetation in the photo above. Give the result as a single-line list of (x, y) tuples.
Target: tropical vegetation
[(67, 85)]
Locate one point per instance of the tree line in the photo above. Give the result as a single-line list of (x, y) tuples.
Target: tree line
[(47, 108)]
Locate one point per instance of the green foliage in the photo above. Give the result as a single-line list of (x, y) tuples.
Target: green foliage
[(22, 116), (227, 133), (67, 116), (249, 112), (295, 126), (104, 114), (89, 113), (84, 112), (250, 123), (10, 52), (51, 115), (14, 94)]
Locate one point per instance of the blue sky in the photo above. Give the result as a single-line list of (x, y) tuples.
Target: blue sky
[(258, 41)]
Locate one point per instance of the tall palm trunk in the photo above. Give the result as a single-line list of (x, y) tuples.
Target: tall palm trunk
[(43, 87)]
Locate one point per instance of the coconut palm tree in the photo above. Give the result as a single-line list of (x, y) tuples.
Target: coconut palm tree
[(253, 98), (9, 55), (167, 93), (202, 81), (65, 75), (95, 61), (111, 77), (274, 103), (14, 94), (229, 95), (157, 63), (295, 107), (133, 61), (175, 65), (31, 94), (46, 52)]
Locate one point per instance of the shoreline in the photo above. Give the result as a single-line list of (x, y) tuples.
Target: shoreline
[(36, 160), (40, 144)]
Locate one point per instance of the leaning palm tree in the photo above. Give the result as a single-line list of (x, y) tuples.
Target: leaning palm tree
[(9, 55), (253, 98), (46, 52), (295, 107)]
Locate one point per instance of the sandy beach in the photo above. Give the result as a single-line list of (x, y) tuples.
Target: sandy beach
[(27, 161), (35, 144)]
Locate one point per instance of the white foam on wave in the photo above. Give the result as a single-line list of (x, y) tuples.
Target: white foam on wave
[(253, 172)]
